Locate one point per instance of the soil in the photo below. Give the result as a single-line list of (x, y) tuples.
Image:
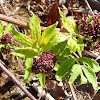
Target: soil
[(20, 9)]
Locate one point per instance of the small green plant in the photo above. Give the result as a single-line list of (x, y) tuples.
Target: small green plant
[(44, 52)]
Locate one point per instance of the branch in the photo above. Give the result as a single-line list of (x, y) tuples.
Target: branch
[(17, 82), (20, 23)]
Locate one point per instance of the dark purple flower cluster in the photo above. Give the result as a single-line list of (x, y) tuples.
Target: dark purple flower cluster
[(7, 39), (44, 64), (90, 27)]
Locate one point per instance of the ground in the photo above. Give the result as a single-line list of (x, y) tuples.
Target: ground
[(47, 13)]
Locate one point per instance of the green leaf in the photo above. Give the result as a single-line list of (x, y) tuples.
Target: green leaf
[(60, 50), (42, 77), (23, 39), (60, 37), (83, 78), (56, 67), (35, 28), (76, 72), (68, 22), (48, 37), (90, 76), (65, 69), (72, 44), (91, 63), (29, 63), (59, 47), (1, 29), (80, 46), (49, 45), (28, 71), (25, 52), (8, 28), (27, 74)]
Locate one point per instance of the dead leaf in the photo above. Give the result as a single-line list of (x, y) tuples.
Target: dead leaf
[(96, 97), (56, 91), (54, 15)]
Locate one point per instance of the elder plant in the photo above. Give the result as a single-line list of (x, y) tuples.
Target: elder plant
[(52, 50), (89, 28)]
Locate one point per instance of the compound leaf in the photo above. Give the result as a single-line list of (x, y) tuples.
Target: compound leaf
[(91, 63), (35, 28), (25, 52), (29, 63), (48, 37), (65, 69), (90, 76), (76, 72), (42, 77), (23, 39), (72, 44)]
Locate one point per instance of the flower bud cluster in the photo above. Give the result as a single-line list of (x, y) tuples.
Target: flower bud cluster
[(44, 64), (90, 28), (7, 39)]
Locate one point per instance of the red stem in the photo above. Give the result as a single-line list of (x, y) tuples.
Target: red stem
[(17, 82)]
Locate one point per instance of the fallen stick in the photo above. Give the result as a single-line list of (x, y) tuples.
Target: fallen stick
[(17, 82), (20, 23)]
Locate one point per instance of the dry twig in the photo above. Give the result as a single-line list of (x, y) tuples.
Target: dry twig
[(17, 82), (20, 23)]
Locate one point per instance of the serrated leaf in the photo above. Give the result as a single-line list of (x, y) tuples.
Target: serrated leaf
[(28, 71), (76, 72), (68, 22), (60, 37), (8, 28), (72, 44), (91, 63), (61, 50), (48, 37), (83, 78), (29, 63), (65, 69), (35, 28), (90, 76), (42, 77), (80, 46), (59, 47), (25, 52), (27, 74), (49, 45), (23, 39)]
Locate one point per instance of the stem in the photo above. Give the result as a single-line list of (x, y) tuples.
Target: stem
[(20, 23), (42, 92), (17, 82)]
